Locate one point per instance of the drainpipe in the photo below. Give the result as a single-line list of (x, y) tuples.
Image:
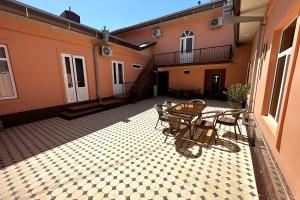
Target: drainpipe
[(254, 77), (96, 68)]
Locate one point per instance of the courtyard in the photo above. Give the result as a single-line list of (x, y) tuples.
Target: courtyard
[(118, 154)]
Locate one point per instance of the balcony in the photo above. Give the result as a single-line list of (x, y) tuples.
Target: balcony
[(209, 55)]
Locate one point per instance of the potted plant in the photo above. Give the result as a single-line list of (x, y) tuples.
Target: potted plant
[(237, 94)]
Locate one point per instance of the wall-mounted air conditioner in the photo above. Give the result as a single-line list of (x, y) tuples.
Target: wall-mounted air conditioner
[(106, 51), (216, 22), (156, 33)]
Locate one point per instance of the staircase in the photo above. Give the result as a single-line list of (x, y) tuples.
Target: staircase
[(143, 86), (89, 107)]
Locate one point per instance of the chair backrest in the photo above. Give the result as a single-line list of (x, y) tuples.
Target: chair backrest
[(199, 101), (160, 109), (236, 113), (214, 115)]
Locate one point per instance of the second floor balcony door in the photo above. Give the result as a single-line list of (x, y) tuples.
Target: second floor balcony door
[(186, 46)]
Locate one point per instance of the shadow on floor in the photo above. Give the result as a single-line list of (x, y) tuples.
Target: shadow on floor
[(25, 141)]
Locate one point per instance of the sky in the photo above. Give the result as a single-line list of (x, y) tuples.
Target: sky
[(114, 14)]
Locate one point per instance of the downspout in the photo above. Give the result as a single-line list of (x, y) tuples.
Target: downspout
[(254, 77), (96, 68)]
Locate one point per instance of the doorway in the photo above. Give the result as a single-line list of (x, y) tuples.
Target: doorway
[(118, 77), (186, 47), (214, 82), (75, 78), (163, 83)]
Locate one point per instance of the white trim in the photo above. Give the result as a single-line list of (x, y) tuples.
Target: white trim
[(286, 53), (140, 66), (112, 70), (7, 59)]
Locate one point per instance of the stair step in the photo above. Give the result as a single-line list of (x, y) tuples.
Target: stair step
[(72, 115), (111, 102), (83, 106)]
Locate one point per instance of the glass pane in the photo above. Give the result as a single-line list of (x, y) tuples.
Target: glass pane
[(2, 52), (79, 72), (68, 70), (189, 44), (6, 87), (3, 67), (120, 71), (183, 35), (277, 85), (182, 43), (191, 33), (114, 72), (288, 37)]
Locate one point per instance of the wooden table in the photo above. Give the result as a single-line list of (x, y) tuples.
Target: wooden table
[(188, 111)]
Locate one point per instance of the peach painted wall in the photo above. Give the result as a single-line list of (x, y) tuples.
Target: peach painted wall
[(128, 57), (171, 32), (34, 51), (236, 72), (284, 138)]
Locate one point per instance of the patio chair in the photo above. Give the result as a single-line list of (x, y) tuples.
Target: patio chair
[(230, 118), (197, 101), (207, 121), (170, 103), (162, 114), (176, 126)]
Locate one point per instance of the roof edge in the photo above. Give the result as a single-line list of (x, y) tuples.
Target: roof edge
[(175, 15)]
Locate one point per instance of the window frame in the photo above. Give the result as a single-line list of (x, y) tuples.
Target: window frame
[(286, 53), (7, 59), (140, 66)]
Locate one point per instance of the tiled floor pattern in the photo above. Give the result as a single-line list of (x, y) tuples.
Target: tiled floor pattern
[(117, 154)]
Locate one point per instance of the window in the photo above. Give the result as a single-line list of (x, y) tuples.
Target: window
[(186, 72), (136, 66), (7, 83), (283, 59)]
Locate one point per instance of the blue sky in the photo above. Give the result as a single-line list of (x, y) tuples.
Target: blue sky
[(114, 14)]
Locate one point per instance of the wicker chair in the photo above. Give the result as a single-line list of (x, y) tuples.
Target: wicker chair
[(162, 114), (230, 118), (176, 126), (170, 103), (197, 101), (204, 123)]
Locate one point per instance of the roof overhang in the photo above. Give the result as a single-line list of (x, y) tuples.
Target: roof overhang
[(180, 14), (254, 9), (33, 13)]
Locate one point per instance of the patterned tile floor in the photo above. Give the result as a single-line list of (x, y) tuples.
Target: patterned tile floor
[(117, 154)]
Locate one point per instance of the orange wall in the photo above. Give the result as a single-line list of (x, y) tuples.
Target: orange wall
[(34, 52), (236, 72), (171, 32), (128, 57), (286, 134)]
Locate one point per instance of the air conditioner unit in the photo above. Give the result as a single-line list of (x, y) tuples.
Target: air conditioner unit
[(216, 22), (156, 33), (106, 51)]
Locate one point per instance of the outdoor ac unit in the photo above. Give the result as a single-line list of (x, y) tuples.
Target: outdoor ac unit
[(156, 33), (216, 22), (106, 51)]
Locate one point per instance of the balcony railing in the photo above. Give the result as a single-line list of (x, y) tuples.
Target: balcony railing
[(209, 55)]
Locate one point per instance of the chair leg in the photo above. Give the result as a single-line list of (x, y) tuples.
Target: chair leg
[(156, 123), (235, 132), (166, 139), (239, 129), (220, 125)]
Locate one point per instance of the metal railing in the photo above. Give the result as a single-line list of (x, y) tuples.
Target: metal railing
[(209, 55)]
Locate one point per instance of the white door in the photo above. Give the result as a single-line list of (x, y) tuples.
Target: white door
[(118, 77), (75, 78), (186, 47)]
